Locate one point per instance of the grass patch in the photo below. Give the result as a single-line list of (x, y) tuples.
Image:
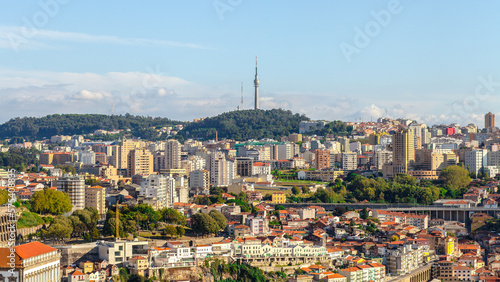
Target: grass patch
[(29, 219)]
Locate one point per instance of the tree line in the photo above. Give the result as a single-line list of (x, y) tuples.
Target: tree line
[(32, 128), (245, 125)]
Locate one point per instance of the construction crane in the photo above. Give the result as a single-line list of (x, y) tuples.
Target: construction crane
[(117, 213)]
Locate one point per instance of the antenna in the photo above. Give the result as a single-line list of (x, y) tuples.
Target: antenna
[(112, 106), (241, 107)]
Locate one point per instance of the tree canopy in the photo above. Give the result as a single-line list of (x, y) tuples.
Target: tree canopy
[(245, 125), (50, 201), (219, 218), (455, 177), (32, 128), (204, 224)]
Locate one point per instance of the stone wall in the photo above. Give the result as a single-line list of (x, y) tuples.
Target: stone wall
[(75, 253)]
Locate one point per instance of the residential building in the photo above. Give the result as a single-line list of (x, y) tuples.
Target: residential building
[(403, 258), (140, 161), (199, 182), (173, 154), (489, 120), (322, 159), (403, 150), (244, 166), (220, 169), (120, 251), (476, 160), (349, 161), (278, 198), (75, 187), (95, 197)]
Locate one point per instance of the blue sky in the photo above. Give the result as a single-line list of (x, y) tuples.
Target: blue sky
[(436, 62)]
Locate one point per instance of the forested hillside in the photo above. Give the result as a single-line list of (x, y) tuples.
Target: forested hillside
[(31, 128), (247, 124)]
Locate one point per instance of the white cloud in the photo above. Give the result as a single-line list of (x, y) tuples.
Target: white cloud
[(89, 95)]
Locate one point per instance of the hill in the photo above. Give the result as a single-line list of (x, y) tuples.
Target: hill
[(31, 128), (244, 125)]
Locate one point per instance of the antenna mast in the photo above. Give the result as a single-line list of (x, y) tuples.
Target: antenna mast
[(241, 106)]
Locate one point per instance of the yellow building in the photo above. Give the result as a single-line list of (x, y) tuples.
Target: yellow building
[(86, 266), (278, 198), (449, 246)]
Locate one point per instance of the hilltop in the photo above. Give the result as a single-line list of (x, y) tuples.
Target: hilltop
[(246, 124), (31, 128)]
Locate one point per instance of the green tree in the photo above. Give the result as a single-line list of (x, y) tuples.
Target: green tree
[(173, 216), (180, 231), (170, 230), (455, 177), (305, 189), (50, 201), (95, 234), (60, 228), (295, 190), (204, 224), (219, 218), (338, 211)]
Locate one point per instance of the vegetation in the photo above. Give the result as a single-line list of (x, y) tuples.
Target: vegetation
[(19, 158), (60, 228), (29, 219), (245, 125), (50, 201), (31, 128), (142, 217), (455, 177), (334, 128), (4, 196), (402, 189), (219, 218), (239, 272), (204, 224)]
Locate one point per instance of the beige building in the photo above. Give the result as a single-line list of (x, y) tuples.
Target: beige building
[(95, 197), (138, 265), (140, 161), (403, 143), (199, 182), (173, 154), (427, 159), (119, 154)]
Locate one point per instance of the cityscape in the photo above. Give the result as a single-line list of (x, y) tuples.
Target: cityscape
[(234, 141)]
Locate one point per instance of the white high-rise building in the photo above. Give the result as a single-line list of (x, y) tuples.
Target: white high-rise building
[(173, 154), (219, 168), (199, 182), (285, 151), (382, 157), (475, 160), (87, 157), (155, 186), (349, 161), (75, 187)]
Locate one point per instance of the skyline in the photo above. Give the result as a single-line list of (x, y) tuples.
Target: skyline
[(332, 61)]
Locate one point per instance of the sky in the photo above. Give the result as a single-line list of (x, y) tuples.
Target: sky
[(432, 61)]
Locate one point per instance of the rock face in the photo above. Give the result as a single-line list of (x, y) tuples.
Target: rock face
[(188, 273)]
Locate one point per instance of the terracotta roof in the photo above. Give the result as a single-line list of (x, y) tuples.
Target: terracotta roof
[(33, 249)]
